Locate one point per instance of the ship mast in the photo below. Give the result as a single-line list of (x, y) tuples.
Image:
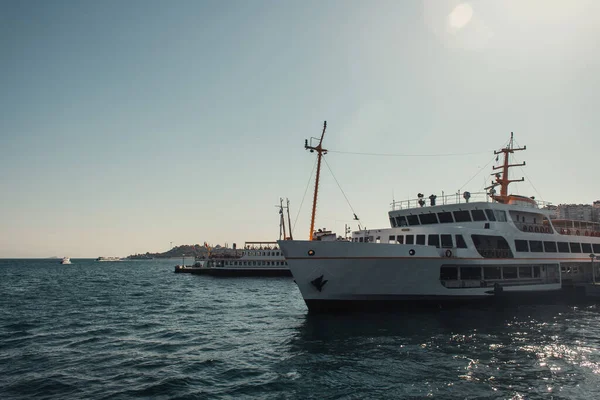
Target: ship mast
[(289, 220), (502, 179), (320, 152)]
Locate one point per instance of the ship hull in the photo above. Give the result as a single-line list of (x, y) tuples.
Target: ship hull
[(342, 275)]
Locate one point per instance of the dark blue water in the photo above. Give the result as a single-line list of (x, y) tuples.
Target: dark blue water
[(137, 330)]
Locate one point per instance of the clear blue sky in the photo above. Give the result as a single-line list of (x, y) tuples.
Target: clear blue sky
[(127, 125)]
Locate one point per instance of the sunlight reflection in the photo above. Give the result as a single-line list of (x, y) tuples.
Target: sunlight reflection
[(460, 16)]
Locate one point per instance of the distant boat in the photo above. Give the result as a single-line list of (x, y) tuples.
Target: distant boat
[(255, 259), (65, 260), (109, 259)]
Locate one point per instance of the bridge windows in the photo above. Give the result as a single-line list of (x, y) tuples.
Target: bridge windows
[(550, 247), (421, 239), (428, 219), (460, 242), (478, 215), (401, 221), (446, 241), (445, 217), (536, 246), (433, 240), (586, 248), (575, 247), (563, 247), (410, 239), (412, 220), (521, 245), (596, 247), (462, 216)]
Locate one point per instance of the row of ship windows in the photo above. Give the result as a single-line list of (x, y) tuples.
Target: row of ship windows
[(255, 263), (444, 241), (449, 273), (262, 253), (448, 217), (537, 246)]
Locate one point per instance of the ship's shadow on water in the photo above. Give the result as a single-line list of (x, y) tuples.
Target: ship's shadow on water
[(464, 353)]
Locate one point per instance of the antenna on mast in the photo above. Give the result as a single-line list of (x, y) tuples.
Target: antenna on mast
[(502, 178), (320, 152)]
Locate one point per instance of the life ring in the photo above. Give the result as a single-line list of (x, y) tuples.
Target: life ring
[(448, 253), (537, 229), (577, 233), (568, 232), (524, 228), (562, 231), (530, 228)]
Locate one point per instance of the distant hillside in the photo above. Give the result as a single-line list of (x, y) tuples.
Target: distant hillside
[(195, 250)]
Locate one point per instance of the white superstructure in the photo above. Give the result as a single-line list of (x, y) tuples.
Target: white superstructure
[(450, 249)]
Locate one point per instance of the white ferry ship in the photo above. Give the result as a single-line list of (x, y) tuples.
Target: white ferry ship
[(469, 248), (65, 260), (254, 259)]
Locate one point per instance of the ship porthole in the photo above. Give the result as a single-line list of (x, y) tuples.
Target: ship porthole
[(311, 253), (411, 252)]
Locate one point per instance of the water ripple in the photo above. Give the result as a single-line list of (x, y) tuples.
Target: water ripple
[(136, 330)]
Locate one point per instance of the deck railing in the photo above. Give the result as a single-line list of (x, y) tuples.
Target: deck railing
[(443, 199)]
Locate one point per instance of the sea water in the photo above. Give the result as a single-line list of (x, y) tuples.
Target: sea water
[(134, 329)]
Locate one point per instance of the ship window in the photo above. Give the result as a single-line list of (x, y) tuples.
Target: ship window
[(596, 247), (521, 245), (500, 215), (492, 273), (370, 239), (428, 219), (446, 241), (392, 239), (421, 239), (586, 247), (460, 242), (536, 246), (490, 215), (575, 247), (400, 239), (563, 247), (434, 240), (478, 215), (448, 273), (393, 222), (470, 273), (412, 220), (462, 216), (510, 272), (360, 240), (445, 217), (550, 247), (536, 271), (525, 272), (410, 239), (401, 221)]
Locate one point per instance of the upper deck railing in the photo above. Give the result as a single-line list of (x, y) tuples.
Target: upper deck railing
[(443, 199)]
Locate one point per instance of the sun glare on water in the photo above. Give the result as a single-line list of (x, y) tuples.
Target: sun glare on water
[(460, 16)]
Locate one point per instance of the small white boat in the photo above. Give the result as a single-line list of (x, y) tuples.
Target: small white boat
[(65, 260)]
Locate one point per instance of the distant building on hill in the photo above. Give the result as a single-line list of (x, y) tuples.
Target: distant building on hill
[(578, 212)]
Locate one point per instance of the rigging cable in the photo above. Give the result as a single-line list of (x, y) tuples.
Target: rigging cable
[(336, 181), (405, 155), (304, 196), (478, 172), (529, 180)]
